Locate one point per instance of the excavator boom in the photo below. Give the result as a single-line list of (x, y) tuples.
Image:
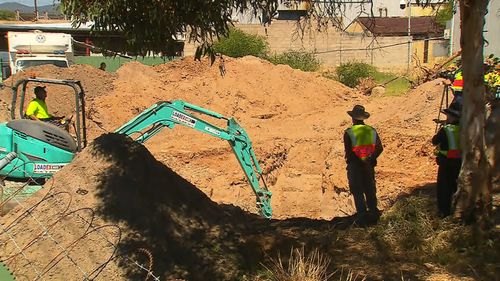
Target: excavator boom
[(168, 114)]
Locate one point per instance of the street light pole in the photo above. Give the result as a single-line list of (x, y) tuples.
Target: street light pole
[(409, 36), (403, 4)]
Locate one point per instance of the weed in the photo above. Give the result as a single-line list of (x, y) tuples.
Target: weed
[(299, 267)]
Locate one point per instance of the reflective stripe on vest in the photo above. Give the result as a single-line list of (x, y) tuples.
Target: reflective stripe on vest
[(458, 83), (452, 135), (363, 139)]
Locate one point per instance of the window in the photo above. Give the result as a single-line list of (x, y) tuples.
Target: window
[(22, 64)]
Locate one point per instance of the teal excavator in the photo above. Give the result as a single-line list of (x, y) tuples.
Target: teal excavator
[(37, 150)]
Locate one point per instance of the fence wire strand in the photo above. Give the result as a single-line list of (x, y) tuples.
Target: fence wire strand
[(64, 252)]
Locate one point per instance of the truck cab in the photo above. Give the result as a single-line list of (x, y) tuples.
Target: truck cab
[(33, 48)]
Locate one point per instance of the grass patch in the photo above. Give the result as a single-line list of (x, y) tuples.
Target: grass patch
[(394, 88), (364, 76)]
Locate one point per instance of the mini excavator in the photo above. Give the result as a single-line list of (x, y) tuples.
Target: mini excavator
[(37, 150)]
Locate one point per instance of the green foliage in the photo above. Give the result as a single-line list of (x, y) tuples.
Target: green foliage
[(398, 85), (152, 25), (7, 15), (239, 44), (444, 14), (297, 59), (351, 73)]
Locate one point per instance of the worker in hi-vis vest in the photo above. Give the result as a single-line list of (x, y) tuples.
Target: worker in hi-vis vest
[(449, 159), (362, 148)]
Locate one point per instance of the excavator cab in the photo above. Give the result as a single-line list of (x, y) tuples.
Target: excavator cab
[(41, 148)]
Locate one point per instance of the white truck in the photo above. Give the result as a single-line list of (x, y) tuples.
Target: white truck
[(34, 48)]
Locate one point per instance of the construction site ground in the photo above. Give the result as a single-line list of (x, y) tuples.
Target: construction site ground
[(182, 204)]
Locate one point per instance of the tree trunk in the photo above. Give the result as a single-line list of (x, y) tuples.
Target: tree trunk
[(473, 198)]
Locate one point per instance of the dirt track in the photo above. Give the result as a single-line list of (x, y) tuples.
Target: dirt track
[(296, 121)]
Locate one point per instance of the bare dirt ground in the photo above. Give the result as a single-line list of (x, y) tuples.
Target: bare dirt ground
[(295, 120)]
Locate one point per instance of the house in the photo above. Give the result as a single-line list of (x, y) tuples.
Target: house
[(428, 42)]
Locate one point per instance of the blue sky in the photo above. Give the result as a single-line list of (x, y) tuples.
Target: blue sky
[(30, 2)]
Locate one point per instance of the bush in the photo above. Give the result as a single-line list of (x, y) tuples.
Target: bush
[(350, 73), (239, 44), (7, 15), (297, 59)]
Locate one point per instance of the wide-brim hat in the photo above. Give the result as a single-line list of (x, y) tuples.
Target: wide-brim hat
[(358, 112)]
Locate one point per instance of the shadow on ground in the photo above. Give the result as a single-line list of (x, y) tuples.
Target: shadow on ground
[(193, 238)]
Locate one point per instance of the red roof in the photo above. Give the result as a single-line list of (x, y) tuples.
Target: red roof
[(397, 26)]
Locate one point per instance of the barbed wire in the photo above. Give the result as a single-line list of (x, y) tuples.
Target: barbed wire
[(65, 251)]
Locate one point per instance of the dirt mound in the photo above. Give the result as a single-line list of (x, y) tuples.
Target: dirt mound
[(61, 99), (115, 205), (289, 114), (295, 120)]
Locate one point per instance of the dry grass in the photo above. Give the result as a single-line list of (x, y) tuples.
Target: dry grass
[(300, 267), (409, 243)]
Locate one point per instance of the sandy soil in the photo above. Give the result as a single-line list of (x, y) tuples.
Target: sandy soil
[(295, 120)]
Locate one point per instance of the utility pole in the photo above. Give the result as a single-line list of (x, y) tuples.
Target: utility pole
[(36, 11), (403, 4)]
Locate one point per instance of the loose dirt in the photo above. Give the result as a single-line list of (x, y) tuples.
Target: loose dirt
[(295, 120)]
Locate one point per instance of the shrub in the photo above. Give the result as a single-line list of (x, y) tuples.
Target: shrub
[(7, 15), (239, 44), (297, 59), (350, 73)]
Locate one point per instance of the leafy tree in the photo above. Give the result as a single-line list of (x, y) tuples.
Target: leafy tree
[(444, 13), (152, 25), (239, 44)]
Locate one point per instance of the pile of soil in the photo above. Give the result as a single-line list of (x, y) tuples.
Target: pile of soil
[(179, 204), (295, 120)]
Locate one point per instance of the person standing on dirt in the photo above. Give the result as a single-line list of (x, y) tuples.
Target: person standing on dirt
[(362, 148), (449, 159), (37, 109)]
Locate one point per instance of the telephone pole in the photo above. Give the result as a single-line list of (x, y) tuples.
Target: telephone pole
[(36, 11)]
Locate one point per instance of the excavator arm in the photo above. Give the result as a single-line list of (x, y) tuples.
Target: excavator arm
[(168, 114)]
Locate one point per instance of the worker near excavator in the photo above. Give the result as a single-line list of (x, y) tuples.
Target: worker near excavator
[(37, 109), (362, 148), (449, 158)]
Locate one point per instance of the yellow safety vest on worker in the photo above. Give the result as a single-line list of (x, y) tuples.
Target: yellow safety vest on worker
[(38, 108), (453, 137), (363, 140)]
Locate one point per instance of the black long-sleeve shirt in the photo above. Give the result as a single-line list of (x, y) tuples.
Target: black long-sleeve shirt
[(351, 157)]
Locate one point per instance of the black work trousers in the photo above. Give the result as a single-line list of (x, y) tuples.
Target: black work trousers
[(361, 178), (447, 183)]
